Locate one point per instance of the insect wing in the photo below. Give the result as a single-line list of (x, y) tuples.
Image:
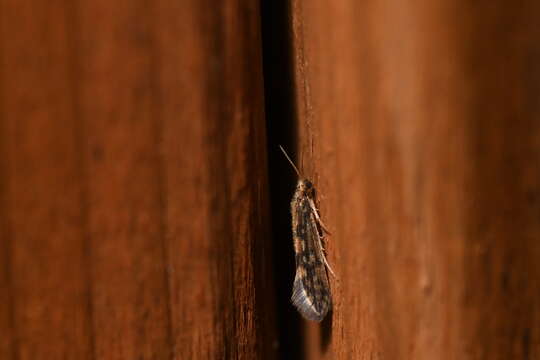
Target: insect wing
[(311, 290)]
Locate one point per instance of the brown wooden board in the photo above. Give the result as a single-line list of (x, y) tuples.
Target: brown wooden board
[(418, 123), (134, 194), (44, 257), (218, 241)]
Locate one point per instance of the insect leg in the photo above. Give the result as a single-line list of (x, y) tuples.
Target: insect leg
[(321, 252), (317, 217)]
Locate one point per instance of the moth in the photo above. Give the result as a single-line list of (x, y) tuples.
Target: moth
[(311, 288)]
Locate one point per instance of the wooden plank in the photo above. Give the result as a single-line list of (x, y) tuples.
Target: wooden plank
[(123, 174), (134, 192), (418, 124), (213, 135), (46, 291)]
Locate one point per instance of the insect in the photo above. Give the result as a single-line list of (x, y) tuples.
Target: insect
[(311, 288)]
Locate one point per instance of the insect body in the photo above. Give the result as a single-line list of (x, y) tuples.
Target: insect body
[(311, 289)]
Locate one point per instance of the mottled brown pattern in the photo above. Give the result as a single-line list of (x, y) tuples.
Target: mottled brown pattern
[(311, 290)]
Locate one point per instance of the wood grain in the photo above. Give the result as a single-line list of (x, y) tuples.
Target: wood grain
[(418, 123), (43, 229), (134, 208), (134, 182), (216, 181)]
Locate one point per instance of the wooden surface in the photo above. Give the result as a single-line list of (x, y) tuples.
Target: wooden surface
[(134, 197), (140, 219), (419, 124)]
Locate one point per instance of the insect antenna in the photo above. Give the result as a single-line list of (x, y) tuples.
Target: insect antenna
[(292, 163)]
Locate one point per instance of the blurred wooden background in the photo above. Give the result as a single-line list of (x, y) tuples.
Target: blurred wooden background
[(144, 203)]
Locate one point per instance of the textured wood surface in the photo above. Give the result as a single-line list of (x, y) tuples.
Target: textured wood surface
[(419, 124), (134, 197), (134, 186)]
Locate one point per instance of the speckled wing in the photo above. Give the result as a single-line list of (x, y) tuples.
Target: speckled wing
[(311, 290)]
